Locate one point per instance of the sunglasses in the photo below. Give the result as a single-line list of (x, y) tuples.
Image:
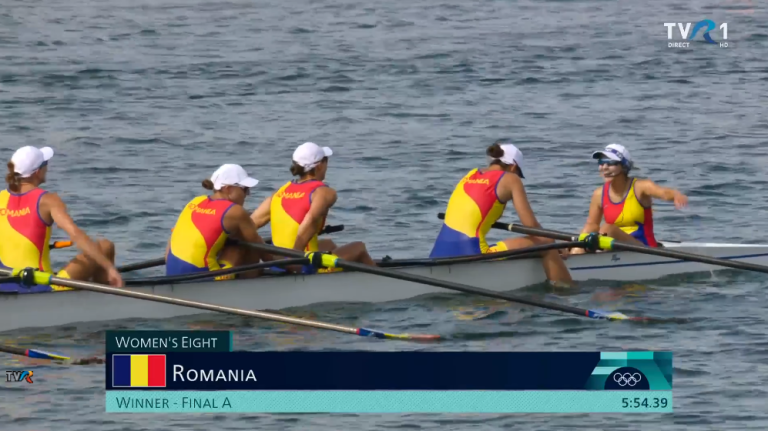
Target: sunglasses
[(608, 162), (246, 190)]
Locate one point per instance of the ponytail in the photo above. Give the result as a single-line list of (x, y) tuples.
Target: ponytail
[(207, 184), (495, 152), (13, 179), (297, 170)]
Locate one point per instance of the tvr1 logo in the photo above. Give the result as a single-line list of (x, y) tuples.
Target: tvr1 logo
[(706, 25), (19, 376)]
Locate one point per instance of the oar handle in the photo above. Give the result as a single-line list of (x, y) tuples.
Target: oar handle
[(60, 244), (546, 233)]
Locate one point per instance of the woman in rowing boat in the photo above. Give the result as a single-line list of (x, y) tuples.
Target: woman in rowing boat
[(297, 211), (624, 203), (201, 241), (27, 214), (479, 200)]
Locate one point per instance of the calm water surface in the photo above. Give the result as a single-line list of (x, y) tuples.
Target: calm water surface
[(142, 100)]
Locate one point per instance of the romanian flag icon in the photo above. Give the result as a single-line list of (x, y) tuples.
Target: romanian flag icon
[(138, 371)]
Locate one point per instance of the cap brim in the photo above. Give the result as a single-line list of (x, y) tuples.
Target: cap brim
[(327, 151), (47, 153), (601, 154), (249, 182)]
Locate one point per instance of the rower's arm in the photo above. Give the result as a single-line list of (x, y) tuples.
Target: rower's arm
[(649, 188), (239, 223), (323, 199), (262, 214), (595, 212), (58, 210), (520, 201)]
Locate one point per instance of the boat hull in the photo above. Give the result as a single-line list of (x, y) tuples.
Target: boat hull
[(68, 307)]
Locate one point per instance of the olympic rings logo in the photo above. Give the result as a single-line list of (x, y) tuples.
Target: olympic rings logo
[(625, 379)]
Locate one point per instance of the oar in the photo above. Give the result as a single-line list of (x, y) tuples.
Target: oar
[(30, 353), (39, 354), (608, 243), (331, 261), (151, 281), (160, 261), (31, 276)]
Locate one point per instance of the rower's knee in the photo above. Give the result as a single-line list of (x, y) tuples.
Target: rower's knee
[(538, 240), (107, 248)]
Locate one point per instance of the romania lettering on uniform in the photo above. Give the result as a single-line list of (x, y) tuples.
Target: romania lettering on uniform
[(295, 195), (197, 209), (475, 181), (4, 212)]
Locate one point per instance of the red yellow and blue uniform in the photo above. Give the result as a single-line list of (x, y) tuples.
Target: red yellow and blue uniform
[(473, 208), (290, 204), (24, 238), (198, 238), (630, 215)]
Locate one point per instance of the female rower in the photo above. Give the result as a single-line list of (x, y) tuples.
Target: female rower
[(624, 203), (297, 211), (27, 214), (201, 239), (479, 200)]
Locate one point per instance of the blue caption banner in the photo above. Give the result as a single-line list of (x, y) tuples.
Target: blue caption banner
[(391, 371)]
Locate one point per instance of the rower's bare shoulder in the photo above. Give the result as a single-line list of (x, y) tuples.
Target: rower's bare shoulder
[(642, 184), (598, 193), (51, 199), (512, 180)]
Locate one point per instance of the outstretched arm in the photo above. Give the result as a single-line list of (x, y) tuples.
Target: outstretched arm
[(84, 243), (322, 200), (649, 188)]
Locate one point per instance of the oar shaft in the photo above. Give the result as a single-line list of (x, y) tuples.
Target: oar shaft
[(84, 285), (432, 281), (160, 261), (681, 255)]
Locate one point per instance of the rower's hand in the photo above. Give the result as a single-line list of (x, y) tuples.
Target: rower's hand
[(115, 279), (564, 252), (577, 251), (681, 200)]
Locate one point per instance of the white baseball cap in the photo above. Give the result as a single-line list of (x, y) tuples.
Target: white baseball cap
[(232, 175), (27, 160), (512, 156), (616, 152), (308, 155)]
